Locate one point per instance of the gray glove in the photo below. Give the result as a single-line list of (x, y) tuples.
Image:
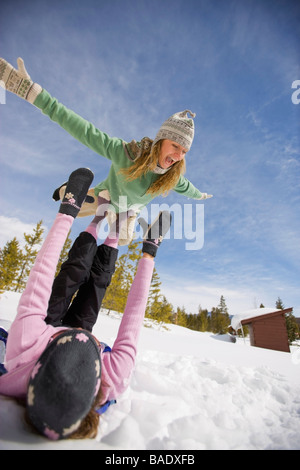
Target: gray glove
[(18, 81), (205, 196)]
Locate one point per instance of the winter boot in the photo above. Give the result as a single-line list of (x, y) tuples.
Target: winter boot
[(56, 194), (76, 191)]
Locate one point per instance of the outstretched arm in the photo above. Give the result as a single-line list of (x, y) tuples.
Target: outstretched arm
[(19, 82), (186, 188), (120, 362), (80, 128)]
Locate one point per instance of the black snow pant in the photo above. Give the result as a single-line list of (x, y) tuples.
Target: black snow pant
[(87, 271)]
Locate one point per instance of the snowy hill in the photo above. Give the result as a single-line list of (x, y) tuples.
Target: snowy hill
[(189, 391)]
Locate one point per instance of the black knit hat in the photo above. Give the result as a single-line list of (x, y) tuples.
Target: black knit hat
[(64, 383)]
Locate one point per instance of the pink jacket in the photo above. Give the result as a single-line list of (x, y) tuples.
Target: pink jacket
[(29, 334)]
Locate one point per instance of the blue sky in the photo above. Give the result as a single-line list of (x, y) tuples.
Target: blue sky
[(126, 66)]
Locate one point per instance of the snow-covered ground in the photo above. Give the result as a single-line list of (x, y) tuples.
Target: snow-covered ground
[(189, 391)]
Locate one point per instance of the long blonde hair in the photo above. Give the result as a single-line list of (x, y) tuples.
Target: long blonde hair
[(148, 161)]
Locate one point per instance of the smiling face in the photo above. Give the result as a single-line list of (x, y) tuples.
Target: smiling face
[(170, 153)]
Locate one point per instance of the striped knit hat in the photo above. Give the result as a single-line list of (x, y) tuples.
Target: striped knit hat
[(179, 128)]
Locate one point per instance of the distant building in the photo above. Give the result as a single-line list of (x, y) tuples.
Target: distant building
[(267, 327)]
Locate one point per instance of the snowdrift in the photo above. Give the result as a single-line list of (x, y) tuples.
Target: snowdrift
[(189, 391)]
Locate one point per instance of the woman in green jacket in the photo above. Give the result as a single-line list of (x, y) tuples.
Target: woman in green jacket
[(139, 172)]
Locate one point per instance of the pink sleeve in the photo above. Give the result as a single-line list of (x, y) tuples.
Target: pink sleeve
[(119, 363), (29, 333)]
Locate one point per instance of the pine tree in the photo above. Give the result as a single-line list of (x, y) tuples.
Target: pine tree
[(279, 305), (180, 317), (291, 324), (204, 323), (219, 321), (220, 318), (130, 267), (166, 311), (11, 259), (154, 309), (118, 290), (161, 310), (115, 297), (29, 254), (15, 264), (154, 291), (222, 306)]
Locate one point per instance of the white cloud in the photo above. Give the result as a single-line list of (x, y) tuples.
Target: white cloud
[(11, 227), (193, 295)]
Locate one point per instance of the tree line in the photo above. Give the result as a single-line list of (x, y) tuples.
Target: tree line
[(16, 263)]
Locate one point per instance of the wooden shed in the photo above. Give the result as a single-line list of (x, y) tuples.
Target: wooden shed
[(267, 328)]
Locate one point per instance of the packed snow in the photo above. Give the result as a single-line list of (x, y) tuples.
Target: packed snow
[(189, 391)]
